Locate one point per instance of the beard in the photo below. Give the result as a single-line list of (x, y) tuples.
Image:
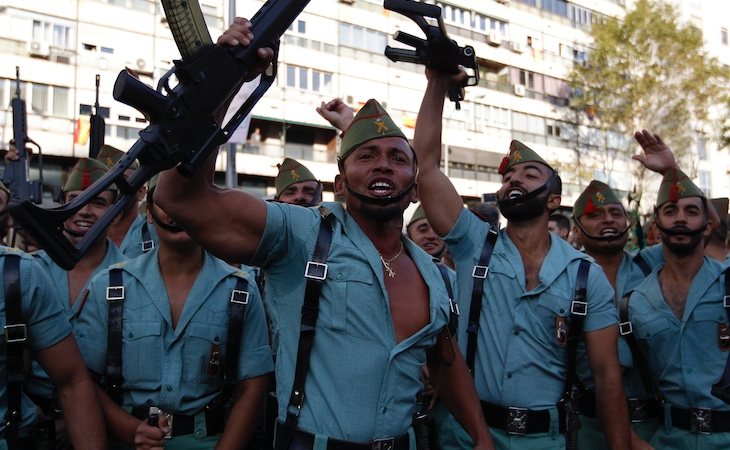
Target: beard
[(524, 211), (604, 247), (682, 248), (383, 213)]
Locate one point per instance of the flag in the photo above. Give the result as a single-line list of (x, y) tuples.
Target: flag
[(82, 130)]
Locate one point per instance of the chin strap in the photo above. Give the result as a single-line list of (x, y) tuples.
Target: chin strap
[(529, 196), (385, 201), (602, 238), (683, 232)]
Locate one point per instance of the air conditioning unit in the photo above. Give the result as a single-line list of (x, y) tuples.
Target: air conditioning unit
[(504, 2), (39, 48), (517, 46), (520, 90), (143, 65), (493, 38)]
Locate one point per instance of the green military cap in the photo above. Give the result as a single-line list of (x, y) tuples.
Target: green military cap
[(110, 156), (418, 214), (85, 173), (520, 153), (371, 122), (291, 171), (675, 185), (595, 195)]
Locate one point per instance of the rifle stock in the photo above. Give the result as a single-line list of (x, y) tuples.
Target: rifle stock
[(17, 173), (182, 132)]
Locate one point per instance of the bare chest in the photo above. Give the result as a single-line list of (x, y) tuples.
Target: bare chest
[(409, 299)]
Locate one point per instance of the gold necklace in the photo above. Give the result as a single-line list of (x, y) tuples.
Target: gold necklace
[(386, 262)]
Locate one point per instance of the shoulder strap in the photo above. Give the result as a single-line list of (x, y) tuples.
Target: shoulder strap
[(578, 312), (316, 274), (721, 389), (453, 307), (627, 331), (236, 309), (479, 274), (115, 306), (147, 242), (15, 337), (643, 265)]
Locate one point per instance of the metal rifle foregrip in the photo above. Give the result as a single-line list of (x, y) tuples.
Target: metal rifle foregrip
[(400, 54)]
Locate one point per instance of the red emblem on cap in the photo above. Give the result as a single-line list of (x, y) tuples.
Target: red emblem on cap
[(503, 165), (674, 193), (85, 179), (590, 207)]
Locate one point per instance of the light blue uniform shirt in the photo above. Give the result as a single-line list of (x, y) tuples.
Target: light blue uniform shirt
[(38, 383), (131, 245), (518, 360), (163, 365), (683, 355), (362, 383), (45, 321)]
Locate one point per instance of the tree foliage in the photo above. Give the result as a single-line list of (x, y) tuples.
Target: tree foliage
[(648, 70)]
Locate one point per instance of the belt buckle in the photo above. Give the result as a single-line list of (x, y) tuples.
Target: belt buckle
[(383, 444), (517, 421), (638, 411), (700, 420)]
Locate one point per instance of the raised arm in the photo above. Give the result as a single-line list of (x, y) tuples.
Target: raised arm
[(337, 113), (226, 222), (657, 157), (439, 198)]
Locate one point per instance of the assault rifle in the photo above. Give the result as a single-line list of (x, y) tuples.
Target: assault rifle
[(437, 51), (98, 127), (17, 173), (183, 129)]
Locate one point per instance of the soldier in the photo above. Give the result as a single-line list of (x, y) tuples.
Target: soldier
[(423, 235), (601, 228), (676, 323), (32, 318), (130, 232), (560, 225), (521, 308), (296, 185), (717, 247), (192, 334), (376, 300), (71, 284)]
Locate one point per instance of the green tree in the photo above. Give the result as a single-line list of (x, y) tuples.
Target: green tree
[(648, 70)]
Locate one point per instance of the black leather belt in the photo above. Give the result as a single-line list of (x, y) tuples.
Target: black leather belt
[(521, 421), (303, 439), (640, 409), (215, 421), (700, 420)]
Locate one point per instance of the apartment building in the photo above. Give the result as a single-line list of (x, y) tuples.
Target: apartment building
[(335, 49)]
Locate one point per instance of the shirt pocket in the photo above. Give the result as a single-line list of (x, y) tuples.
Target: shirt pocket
[(706, 322), (355, 295), (204, 352), (551, 306), (142, 344)]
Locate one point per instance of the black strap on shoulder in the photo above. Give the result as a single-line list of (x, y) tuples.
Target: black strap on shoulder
[(453, 307), (147, 242), (479, 273), (643, 265), (236, 309), (316, 274), (15, 337), (721, 389), (578, 312), (115, 304), (627, 331)]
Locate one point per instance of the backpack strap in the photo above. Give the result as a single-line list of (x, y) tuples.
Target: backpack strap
[(479, 274), (115, 305), (627, 331), (643, 265), (578, 312), (721, 389), (316, 274), (16, 335)]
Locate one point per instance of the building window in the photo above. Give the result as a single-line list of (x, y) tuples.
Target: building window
[(705, 181), (723, 36), (309, 79), (527, 79), (362, 38), (55, 34), (60, 101)]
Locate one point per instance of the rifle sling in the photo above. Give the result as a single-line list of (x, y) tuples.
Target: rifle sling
[(15, 338), (578, 312), (479, 273), (310, 311)]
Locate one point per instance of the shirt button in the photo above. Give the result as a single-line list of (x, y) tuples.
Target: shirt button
[(131, 335), (689, 370), (198, 434), (517, 332), (385, 409), (509, 374), (169, 388)]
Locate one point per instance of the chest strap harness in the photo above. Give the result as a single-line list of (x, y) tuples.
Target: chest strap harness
[(643, 265), (721, 389), (16, 335), (115, 295), (147, 242), (479, 274)]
